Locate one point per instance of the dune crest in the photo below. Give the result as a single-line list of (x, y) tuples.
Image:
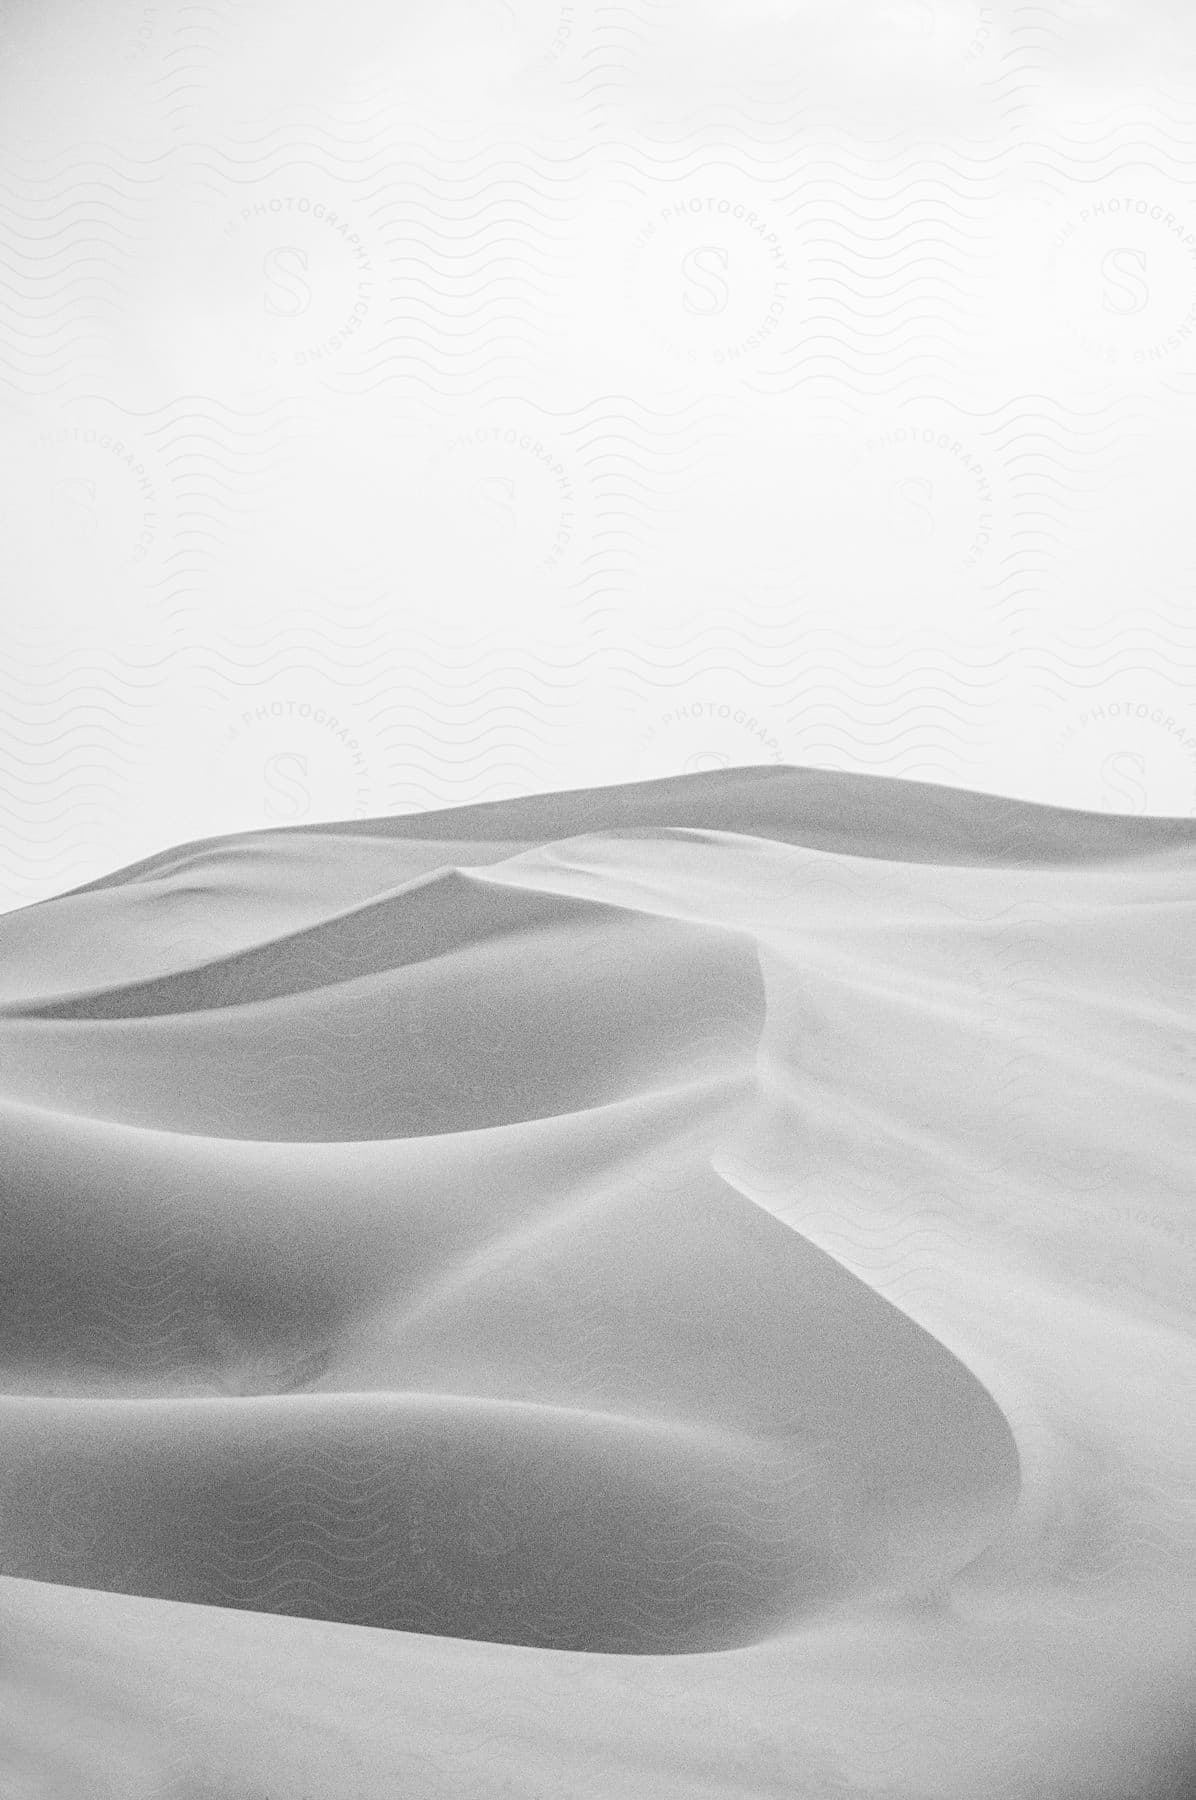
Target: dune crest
[(578, 1221)]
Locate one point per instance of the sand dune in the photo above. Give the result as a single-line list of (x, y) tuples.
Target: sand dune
[(727, 1236)]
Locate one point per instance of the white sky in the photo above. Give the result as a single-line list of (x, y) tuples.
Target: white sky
[(551, 394)]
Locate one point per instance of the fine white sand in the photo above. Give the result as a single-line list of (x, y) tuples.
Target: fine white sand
[(675, 1289)]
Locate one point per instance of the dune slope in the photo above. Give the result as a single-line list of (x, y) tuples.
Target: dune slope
[(689, 1219)]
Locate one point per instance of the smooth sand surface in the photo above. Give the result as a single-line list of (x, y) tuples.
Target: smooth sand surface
[(675, 1289)]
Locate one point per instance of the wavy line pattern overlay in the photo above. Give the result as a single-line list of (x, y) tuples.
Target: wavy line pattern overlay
[(537, 533), (733, 1224), (449, 402)]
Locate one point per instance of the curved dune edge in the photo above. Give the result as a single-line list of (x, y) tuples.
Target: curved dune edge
[(531, 1245)]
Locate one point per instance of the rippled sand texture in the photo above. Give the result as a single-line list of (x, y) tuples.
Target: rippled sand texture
[(700, 1271)]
